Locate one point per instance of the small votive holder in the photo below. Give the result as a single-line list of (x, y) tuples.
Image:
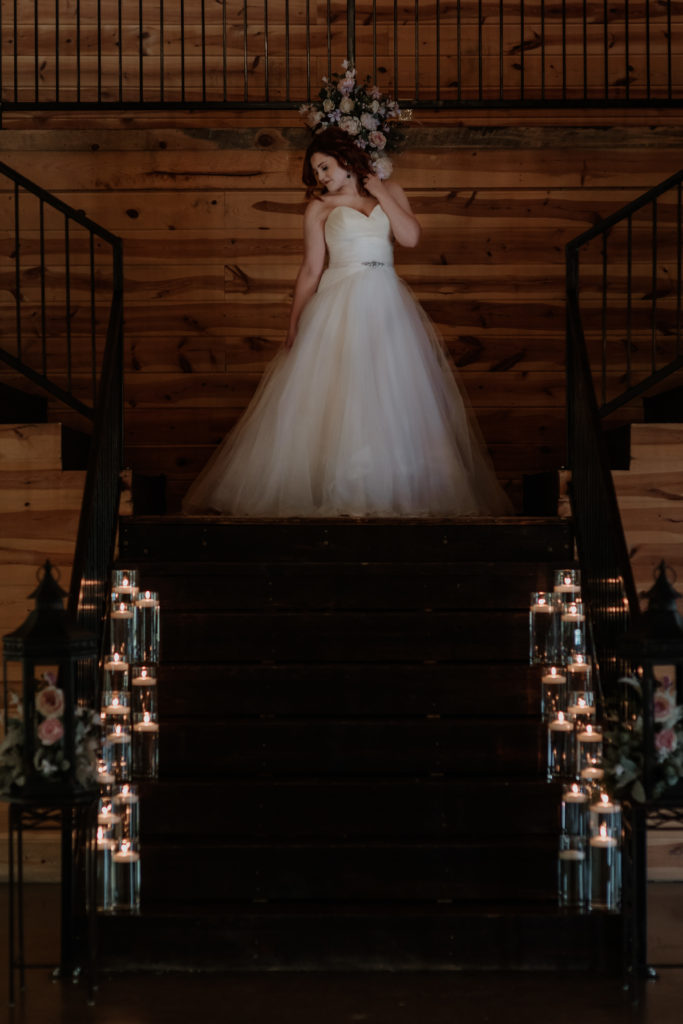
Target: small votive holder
[(560, 759), (572, 873), (605, 854), (126, 876), (578, 668), (588, 751), (104, 897), (126, 805), (147, 627), (116, 752), (121, 627), (581, 708), (567, 585), (145, 746), (572, 630), (553, 692), (115, 673), (125, 582), (115, 710), (144, 690), (541, 628), (574, 809), (107, 819), (105, 779)]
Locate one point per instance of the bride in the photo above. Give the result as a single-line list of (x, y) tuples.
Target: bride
[(359, 414)]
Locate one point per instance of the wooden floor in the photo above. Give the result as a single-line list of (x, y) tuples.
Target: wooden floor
[(403, 998)]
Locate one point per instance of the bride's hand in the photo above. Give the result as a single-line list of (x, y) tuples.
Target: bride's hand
[(374, 185)]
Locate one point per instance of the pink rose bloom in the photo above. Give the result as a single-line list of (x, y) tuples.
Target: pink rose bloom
[(377, 140), (50, 731), (346, 86), (664, 705), (50, 702)]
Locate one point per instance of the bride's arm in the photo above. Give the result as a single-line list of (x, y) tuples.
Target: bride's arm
[(393, 200), (311, 267)]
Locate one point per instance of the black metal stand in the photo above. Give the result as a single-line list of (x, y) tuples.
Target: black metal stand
[(76, 818)]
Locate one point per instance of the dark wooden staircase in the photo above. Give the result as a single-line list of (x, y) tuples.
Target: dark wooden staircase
[(350, 748)]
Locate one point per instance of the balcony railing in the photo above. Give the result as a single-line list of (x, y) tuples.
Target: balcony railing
[(123, 54)]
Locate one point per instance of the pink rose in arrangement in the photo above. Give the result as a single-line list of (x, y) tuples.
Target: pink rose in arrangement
[(50, 702), (664, 704), (665, 741), (377, 139), (50, 731)]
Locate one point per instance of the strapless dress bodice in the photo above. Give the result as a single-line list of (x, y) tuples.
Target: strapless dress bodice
[(355, 239)]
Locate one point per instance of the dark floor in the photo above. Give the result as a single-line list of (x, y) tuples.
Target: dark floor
[(419, 998)]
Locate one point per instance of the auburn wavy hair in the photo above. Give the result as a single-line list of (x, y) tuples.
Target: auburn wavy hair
[(339, 144)]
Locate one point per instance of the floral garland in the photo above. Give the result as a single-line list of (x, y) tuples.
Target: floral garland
[(49, 760), (624, 758), (360, 110)]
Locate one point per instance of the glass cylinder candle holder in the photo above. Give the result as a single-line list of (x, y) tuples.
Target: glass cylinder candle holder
[(104, 898), (147, 626), (126, 805), (572, 630), (145, 746), (115, 709), (125, 582), (107, 819), (588, 750), (126, 877), (581, 709), (121, 627), (553, 692), (567, 585), (560, 759), (541, 628), (579, 672), (144, 691), (605, 854), (572, 873), (574, 809), (116, 752), (115, 675), (105, 779)]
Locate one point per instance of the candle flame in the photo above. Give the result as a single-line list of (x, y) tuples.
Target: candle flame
[(125, 581), (148, 594), (560, 716), (100, 833), (143, 673), (122, 606), (117, 730), (115, 702), (603, 831), (575, 788), (604, 797), (567, 580), (589, 729), (125, 790), (146, 718), (117, 657), (581, 702), (125, 846)]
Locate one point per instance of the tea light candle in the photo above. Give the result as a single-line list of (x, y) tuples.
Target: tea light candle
[(553, 677), (121, 611), (147, 599), (106, 817), (115, 663), (144, 678), (124, 582), (573, 614), (603, 840)]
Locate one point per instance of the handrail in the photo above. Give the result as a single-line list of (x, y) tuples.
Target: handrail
[(45, 256), (188, 54)]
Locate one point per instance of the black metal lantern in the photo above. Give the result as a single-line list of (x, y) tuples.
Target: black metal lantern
[(58, 660)]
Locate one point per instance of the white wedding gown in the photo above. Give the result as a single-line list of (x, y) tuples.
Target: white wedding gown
[(362, 416)]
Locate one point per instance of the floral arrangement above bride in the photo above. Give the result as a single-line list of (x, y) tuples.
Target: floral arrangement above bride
[(362, 111)]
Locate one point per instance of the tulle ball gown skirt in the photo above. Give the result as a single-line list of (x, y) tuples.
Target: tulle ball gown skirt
[(361, 417)]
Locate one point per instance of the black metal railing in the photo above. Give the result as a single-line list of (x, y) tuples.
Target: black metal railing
[(273, 53), (62, 292), (623, 309)]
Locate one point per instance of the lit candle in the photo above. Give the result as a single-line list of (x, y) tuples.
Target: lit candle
[(553, 677), (121, 611), (560, 724), (106, 817), (148, 599), (573, 614), (144, 678), (603, 840), (115, 663)]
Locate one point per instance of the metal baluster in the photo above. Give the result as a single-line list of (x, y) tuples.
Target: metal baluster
[(459, 56), (679, 251), (521, 49), (245, 27), (542, 49), (501, 72), (162, 53), (417, 49), (351, 56), (204, 50), (67, 285), (374, 40), (99, 51), (653, 326), (57, 50), (627, 46), (93, 319), (120, 22), (182, 47), (396, 48), (564, 49), (43, 310), (605, 46), (141, 85), (265, 45), (669, 83), (17, 268), (629, 296), (438, 51), (647, 48), (603, 318), (224, 27), (78, 51), (480, 47), (287, 72), (585, 49), (36, 50), (329, 38)]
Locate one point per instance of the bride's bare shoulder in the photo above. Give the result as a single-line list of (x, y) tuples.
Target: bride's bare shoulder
[(318, 210)]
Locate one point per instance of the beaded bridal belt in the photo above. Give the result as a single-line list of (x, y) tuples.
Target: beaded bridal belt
[(373, 263)]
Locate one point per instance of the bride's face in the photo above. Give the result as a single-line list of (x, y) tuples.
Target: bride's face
[(329, 172)]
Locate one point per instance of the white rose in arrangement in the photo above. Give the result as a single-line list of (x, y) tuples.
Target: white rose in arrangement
[(328, 105), (382, 167), (374, 106), (351, 125), (369, 122), (313, 118), (346, 105)]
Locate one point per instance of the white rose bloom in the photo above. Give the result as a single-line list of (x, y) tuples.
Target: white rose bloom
[(314, 118), (328, 105), (346, 105), (374, 106), (350, 125), (382, 167)]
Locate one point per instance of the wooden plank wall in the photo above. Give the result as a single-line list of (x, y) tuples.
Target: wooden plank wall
[(211, 222)]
